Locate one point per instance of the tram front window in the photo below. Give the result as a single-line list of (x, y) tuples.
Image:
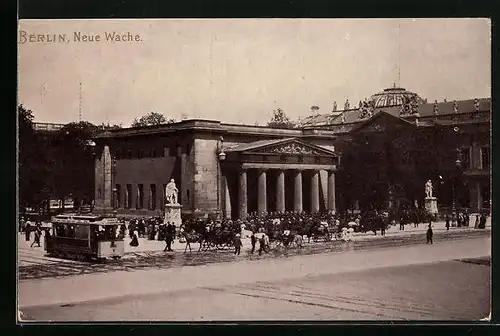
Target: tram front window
[(109, 232)]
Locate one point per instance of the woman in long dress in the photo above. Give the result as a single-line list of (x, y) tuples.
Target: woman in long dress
[(135, 241)]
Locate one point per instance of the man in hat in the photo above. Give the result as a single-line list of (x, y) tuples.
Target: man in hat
[(169, 236), (429, 233)]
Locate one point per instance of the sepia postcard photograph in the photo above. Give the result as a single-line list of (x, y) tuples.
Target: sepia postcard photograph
[(200, 170)]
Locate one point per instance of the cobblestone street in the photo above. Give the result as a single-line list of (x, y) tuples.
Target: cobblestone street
[(418, 281)]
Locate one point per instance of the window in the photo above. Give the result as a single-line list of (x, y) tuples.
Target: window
[(152, 196), (485, 157), (128, 195), (172, 151), (118, 194), (465, 158), (140, 197)]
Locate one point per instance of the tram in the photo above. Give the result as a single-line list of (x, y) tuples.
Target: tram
[(84, 237)]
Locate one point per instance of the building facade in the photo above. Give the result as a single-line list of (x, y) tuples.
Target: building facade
[(376, 155)]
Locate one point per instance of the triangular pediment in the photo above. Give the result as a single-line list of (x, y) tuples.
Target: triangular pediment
[(381, 122), (286, 146)]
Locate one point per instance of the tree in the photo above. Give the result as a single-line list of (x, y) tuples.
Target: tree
[(153, 118), (34, 168), (73, 168), (280, 120)]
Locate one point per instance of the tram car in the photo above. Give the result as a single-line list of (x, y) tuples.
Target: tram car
[(84, 237)]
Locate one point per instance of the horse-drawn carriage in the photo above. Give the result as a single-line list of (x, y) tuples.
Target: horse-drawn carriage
[(211, 237), (325, 232)]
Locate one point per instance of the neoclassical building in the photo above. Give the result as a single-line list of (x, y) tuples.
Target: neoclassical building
[(378, 154)]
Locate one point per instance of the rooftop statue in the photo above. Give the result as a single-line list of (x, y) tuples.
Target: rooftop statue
[(346, 105)]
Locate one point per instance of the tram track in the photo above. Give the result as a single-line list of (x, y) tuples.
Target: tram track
[(168, 260)]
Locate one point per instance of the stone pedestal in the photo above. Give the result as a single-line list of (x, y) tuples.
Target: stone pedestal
[(173, 214), (431, 205)]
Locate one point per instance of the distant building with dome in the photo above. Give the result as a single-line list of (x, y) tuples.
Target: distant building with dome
[(377, 155)]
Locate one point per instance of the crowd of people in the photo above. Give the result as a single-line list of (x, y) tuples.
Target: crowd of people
[(271, 225)]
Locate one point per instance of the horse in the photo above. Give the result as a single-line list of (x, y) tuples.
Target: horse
[(290, 240), (192, 237)]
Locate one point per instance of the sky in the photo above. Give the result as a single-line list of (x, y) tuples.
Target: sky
[(239, 71)]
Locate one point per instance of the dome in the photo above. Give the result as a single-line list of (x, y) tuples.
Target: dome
[(393, 97)]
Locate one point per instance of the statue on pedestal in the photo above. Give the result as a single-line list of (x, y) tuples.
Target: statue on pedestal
[(171, 192), (428, 189)]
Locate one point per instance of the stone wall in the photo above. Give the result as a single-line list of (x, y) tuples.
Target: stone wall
[(206, 178)]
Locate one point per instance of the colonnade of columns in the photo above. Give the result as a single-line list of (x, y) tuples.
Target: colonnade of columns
[(298, 176)]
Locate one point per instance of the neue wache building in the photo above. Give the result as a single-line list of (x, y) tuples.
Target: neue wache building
[(376, 155)]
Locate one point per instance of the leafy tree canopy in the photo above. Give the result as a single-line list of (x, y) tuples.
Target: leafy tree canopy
[(150, 119), (280, 120)]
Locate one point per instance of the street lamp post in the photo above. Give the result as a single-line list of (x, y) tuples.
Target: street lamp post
[(457, 166)]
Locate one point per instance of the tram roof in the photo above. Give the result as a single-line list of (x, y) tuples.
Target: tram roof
[(85, 220)]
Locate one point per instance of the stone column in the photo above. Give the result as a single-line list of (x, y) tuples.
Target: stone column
[(243, 195), (297, 202), (331, 191), (314, 192), (227, 197), (262, 192), (280, 191)]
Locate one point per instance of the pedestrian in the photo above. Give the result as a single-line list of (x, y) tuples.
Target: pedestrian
[(253, 240), (169, 236), (135, 241), (482, 222), (382, 226), (131, 228), (476, 224), (237, 244), (22, 223), (447, 219), (429, 233), (27, 230), (262, 243), (37, 238)]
